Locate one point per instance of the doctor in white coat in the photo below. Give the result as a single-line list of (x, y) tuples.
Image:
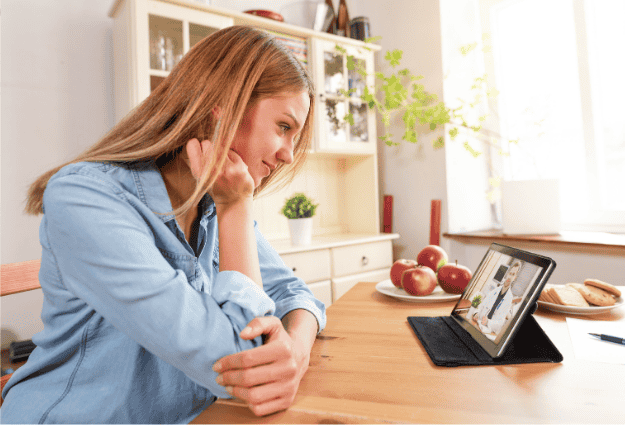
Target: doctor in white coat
[(495, 310)]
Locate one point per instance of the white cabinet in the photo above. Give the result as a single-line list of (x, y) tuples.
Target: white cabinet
[(360, 258), (332, 265), (364, 262), (341, 172), (322, 291), (310, 266), (333, 79), (150, 36)]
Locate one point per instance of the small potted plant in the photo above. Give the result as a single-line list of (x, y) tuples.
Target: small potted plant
[(300, 211), (475, 303)]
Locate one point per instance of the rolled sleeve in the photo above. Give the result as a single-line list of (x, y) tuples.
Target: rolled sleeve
[(288, 291), (241, 298), (284, 307)]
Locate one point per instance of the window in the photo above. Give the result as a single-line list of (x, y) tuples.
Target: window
[(559, 68)]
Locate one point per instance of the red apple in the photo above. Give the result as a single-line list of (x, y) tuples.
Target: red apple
[(398, 268), (419, 281), (453, 278), (432, 256)]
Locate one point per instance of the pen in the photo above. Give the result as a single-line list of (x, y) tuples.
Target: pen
[(609, 338)]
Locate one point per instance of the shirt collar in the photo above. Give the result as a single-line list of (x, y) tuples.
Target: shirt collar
[(153, 193)]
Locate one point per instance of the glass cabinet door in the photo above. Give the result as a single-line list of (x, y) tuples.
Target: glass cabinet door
[(172, 31), (165, 42), (345, 122)]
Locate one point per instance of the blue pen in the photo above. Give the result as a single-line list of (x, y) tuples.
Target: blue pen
[(609, 338)]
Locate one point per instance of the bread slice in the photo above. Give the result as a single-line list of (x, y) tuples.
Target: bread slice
[(568, 296), (550, 295), (545, 295)]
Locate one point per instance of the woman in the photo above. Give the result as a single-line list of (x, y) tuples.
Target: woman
[(493, 312), (160, 294)]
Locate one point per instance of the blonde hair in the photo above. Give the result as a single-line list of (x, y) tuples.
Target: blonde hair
[(516, 263), (230, 70)]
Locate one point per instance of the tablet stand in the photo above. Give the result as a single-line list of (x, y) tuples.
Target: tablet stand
[(448, 344)]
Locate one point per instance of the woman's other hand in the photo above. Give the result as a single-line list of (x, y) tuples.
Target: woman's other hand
[(233, 184), (266, 377)]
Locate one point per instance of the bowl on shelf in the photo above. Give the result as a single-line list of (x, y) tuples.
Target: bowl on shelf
[(266, 14)]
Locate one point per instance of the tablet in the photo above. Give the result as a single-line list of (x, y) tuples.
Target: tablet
[(503, 290)]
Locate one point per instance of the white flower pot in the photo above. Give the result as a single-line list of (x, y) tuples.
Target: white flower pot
[(301, 230)]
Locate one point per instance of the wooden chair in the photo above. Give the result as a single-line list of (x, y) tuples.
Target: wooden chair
[(16, 278)]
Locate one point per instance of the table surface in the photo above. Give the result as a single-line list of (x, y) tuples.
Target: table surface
[(367, 366)]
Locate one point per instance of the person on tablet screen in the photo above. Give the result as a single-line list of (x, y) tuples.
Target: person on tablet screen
[(498, 304)]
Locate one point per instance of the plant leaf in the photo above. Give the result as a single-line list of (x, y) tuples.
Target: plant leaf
[(470, 149), (467, 48), (393, 57), (373, 39), (439, 143)]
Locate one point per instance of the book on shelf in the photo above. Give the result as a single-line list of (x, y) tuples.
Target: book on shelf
[(297, 45)]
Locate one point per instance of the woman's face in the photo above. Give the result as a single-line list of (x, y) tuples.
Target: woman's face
[(511, 277), (267, 132)]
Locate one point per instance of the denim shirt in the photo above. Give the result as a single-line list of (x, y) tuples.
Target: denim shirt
[(134, 316)]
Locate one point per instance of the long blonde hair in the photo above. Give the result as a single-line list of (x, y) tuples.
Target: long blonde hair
[(231, 70)]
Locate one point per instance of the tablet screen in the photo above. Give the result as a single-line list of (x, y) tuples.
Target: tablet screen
[(501, 292)]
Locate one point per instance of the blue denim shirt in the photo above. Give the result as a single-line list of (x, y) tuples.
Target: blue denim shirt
[(134, 316)]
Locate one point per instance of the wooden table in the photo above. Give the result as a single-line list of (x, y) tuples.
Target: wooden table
[(367, 366)]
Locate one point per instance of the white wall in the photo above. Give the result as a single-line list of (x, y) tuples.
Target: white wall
[(56, 101), (412, 174)]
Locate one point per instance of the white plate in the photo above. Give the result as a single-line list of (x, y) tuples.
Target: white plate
[(580, 310), (386, 287)]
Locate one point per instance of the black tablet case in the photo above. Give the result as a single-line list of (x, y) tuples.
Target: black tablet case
[(448, 344)]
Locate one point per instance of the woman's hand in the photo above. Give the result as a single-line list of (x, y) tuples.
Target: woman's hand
[(233, 194), (233, 184), (266, 377)]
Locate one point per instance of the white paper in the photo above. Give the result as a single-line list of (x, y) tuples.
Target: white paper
[(590, 348)]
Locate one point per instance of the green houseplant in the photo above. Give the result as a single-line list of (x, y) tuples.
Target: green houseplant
[(299, 206), (299, 210), (401, 92), (475, 303), (398, 91)]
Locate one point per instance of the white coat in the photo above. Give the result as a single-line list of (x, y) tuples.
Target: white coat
[(495, 324)]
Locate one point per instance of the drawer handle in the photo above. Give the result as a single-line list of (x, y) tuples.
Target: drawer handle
[(294, 269), (364, 260)]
